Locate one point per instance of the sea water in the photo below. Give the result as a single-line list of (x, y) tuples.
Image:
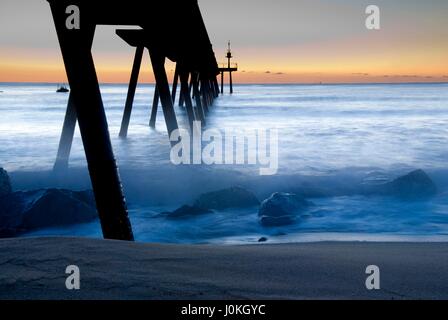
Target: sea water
[(329, 136)]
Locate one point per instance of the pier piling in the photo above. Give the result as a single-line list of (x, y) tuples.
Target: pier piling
[(66, 140), (131, 91), (155, 104)]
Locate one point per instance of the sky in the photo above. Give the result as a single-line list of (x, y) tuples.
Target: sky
[(273, 41)]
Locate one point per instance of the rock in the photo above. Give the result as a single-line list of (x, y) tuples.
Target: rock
[(186, 211), (29, 210), (5, 183), (263, 239), (282, 209), (234, 197), (415, 185)]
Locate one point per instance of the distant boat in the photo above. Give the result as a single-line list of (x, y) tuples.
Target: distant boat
[(62, 89)]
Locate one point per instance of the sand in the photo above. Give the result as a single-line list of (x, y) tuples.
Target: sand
[(34, 268)]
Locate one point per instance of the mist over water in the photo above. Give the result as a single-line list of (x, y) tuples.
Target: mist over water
[(329, 136)]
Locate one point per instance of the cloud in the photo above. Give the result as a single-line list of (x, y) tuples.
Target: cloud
[(360, 74), (275, 73), (406, 76)]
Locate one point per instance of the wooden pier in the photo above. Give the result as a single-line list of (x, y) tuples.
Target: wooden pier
[(170, 29)]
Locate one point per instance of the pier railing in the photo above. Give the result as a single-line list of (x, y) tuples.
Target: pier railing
[(226, 65)]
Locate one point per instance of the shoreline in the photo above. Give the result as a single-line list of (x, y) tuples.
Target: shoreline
[(34, 268)]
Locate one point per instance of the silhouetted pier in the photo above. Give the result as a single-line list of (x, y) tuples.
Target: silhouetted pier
[(170, 29), (229, 67)]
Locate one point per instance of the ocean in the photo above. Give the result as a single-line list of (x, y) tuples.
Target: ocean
[(329, 136)]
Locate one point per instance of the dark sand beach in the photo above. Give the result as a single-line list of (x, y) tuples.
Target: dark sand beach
[(34, 268)]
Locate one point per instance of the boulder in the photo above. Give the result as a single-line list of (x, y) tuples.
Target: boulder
[(29, 210), (5, 183), (234, 197), (282, 209), (414, 185), (186, 211)]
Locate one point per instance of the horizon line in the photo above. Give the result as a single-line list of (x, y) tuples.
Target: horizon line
[(246, 83)]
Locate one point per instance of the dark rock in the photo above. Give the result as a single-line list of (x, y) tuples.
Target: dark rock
[(263, 239), (234, 197), (5, 183), (415, 185), (186, 211), (29, 210), (282, 209)]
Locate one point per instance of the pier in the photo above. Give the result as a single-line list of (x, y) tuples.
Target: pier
[(169, 29), (228, 67)]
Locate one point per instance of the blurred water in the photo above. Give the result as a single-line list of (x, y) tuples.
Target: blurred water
[(323, 130)]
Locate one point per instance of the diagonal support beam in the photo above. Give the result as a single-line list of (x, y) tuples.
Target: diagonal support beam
[(131, 92), (186, 96), (158, 65), (175, 81), (197, 97), (155, 105), (66, 140)]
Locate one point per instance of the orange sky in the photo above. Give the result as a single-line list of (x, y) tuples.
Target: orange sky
[(305, 67)]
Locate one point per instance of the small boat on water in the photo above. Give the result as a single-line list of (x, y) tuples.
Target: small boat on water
[(62, 89)]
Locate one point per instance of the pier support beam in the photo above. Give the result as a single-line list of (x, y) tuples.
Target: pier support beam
[(81, 74), (155, 104), (66, 140), (131, 92), (230, 82), (190, 86), (158, 65), (174, 88), (184, 92), (216, 86), (197, 97), (203, 97)]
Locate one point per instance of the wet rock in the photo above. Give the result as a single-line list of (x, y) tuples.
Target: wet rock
[(5, 183), (282, 209), (263, 239), (29, 210), (415, 185), (186, 211), (234, 197)]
